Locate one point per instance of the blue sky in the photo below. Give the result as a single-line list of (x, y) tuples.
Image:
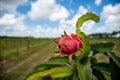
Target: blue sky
[(49, 18)]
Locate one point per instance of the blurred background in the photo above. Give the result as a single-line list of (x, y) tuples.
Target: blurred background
[(28, 29)]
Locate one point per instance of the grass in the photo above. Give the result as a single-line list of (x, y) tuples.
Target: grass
[(38, 54), (9, 52), (27, 64)]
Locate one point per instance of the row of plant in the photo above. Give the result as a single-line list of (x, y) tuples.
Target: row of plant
[(13, 46)]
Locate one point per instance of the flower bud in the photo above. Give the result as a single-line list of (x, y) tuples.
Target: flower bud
[(69, 44)]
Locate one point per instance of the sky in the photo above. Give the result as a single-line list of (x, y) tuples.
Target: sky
[(50, 18)]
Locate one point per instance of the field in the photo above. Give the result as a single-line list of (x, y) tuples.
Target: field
[(18, 56)]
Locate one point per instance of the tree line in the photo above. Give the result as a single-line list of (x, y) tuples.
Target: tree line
[(114, 34)]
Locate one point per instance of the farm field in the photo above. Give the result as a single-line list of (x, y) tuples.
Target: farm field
[(18, 56), (16, 63)]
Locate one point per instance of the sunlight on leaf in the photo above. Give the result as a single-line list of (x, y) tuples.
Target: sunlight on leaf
[(115, 58), (57, 72), (84, 70), (87, 16)]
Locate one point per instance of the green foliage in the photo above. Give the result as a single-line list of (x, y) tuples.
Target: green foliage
[(102, 47), (87, 16), (84, 64), (53, 62), (56, 72), (114, 70), (103, 67), (98, 74), (115, 58), (84, 70), (58, 61)]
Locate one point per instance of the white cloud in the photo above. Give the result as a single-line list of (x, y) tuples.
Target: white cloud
[(65, 25), (40, 31), (111, 15), (42, 10), (47, 10), (8, 20), (98, 2), (88, 26), (59, 13), (101, 29), (10, 5), (12, 25)]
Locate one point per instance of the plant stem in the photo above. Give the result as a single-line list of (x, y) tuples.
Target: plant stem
[(70, 58)]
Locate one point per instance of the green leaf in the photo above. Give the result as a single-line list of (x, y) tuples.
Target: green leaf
[(84, 70), (52, 62), (98, 74), (47, 78), (87, 16), (85, 40), (102, 47), (57, 72), (42, 67), (103, 67), (114, 58), (65, 78), (58, 61), (115, 70), (85, 51), (93, 60), (75, 76)]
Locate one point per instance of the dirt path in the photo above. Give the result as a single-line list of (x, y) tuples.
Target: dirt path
[(19, 71)]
